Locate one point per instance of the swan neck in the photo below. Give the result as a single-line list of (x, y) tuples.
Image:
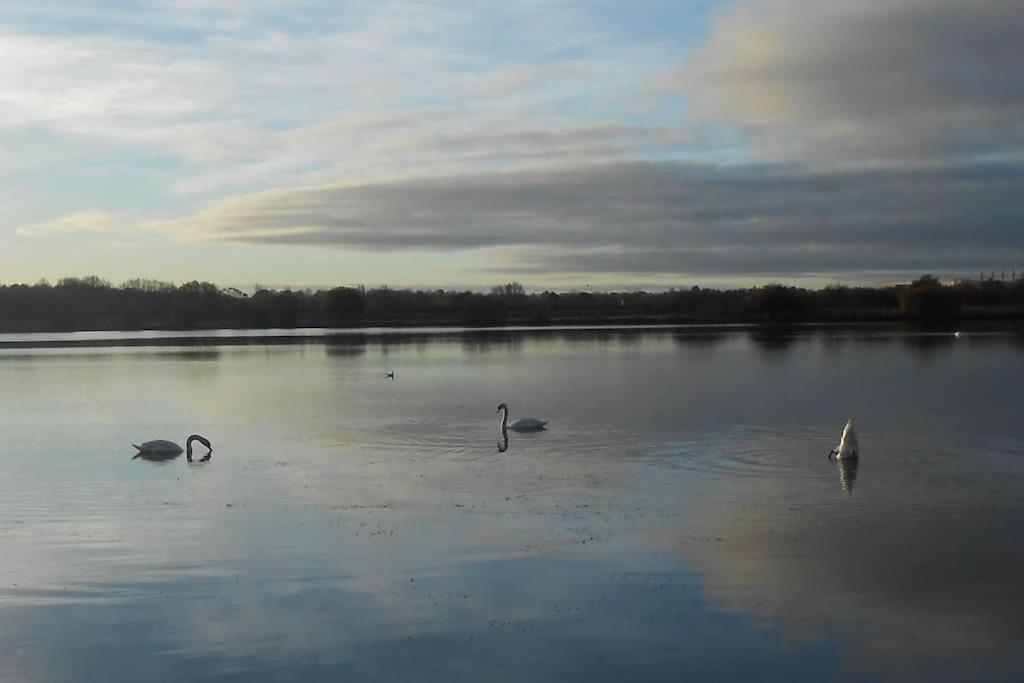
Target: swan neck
[(200, 439)]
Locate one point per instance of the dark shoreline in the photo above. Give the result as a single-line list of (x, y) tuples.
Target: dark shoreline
[(93, 305)]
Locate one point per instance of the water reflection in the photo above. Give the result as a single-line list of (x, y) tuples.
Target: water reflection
[(701, 338), (156, 457), (914, 576), (167, 457), (773, 339), (929, 346), (847, 472), (345, 347), (679, 514), (491, 342)]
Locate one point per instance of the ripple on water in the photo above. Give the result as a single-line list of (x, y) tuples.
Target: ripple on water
[(739, 453), (794, 456)]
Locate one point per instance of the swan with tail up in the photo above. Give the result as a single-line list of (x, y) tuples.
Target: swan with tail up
[(523, 424), (848, 447), (161, 449)]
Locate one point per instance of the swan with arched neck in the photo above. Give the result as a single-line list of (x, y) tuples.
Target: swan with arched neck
[(165, 448)]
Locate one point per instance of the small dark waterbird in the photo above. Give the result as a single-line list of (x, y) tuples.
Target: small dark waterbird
[(161, 449)]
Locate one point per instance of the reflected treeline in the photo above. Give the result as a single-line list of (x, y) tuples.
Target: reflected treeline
[(771, 339), (348, 348), (774, 339), (198, 354), (923, 341), (19, 352), (94, 304), (702, 338)]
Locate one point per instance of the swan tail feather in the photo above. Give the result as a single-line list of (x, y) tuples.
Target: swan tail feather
[(137, 447)]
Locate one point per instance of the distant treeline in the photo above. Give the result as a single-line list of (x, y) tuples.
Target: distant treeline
[(91, 303)]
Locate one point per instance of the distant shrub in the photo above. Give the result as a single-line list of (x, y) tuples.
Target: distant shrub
[(776, 302), (927, 299)]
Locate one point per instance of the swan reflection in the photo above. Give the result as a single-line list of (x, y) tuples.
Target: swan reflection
[(156, 457), (847, 473)]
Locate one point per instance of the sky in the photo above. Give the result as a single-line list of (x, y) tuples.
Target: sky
[(559, 143)]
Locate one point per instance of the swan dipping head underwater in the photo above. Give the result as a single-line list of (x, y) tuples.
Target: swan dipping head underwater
[(162, 447), (523, 424), (848, 446)]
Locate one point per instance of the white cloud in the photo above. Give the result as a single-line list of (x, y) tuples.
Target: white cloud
[(100, 222), (262, 103)]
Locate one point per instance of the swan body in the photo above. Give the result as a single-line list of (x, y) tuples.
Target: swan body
[(159, 447), (848, 446), (523, 424), (163, 449)]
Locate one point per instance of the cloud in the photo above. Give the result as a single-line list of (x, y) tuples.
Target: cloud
[(242, 96), (657, 218), (430, 141), (531, 129), (893, 79), (109, 88), (101, 222)]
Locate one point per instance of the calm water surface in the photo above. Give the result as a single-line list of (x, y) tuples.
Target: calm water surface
[(678, 521)]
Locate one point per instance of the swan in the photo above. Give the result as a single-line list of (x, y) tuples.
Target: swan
[(848, 447), (162, 447), (523, 424), (390, 375)]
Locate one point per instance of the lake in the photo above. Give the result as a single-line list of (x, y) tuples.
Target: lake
[(679, 519)]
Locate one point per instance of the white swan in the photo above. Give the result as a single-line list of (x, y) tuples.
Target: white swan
[(523, 424), (848, 447), (163, 449)]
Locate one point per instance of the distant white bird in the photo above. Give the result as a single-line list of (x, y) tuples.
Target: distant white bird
[(956, 334), (848, 447), (161, 449), (523, 424)]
